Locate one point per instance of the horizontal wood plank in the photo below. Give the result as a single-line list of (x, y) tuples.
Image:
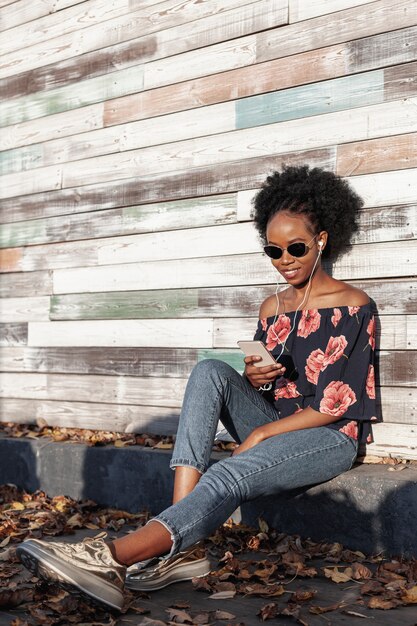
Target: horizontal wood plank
[(353, 23), (128, 418), (33, 308), (330, 62), (302, 10), (395, 368), (394, 332), (13, 335), (377, 155), (26, 284), (173, 333), (373, 261), (376, 190), (109, 361), (318, 131), (212, 17), (396, 440), (206, 181), (166, 392), (46, 178), (59, 125), (379, 224), (151, 218), (54, 24), (392, 297), (21, 11)]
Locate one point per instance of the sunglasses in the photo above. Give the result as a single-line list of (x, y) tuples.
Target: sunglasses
[(297, 249)]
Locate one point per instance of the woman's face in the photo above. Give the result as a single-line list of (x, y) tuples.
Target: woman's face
[(282, 230)]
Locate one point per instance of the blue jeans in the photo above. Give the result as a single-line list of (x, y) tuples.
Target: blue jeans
[(283, 462)]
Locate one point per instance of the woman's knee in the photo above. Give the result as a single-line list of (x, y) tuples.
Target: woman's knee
[(213, 369)]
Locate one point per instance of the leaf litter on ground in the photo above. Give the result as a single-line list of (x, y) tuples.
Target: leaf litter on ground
[(277, 572)]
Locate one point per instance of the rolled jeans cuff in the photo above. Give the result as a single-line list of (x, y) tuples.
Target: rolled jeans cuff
[(175, 536), (187, 463)]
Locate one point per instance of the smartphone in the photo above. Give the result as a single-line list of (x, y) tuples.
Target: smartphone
[(257, 348)]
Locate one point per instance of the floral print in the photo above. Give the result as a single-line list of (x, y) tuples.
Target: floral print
[(336, 317), (371, 332), (287, 390), (314, 366), (337, 398), (334, 350), (309, 322), (351, 430), (278, 332), (332, 367), (370, 382)]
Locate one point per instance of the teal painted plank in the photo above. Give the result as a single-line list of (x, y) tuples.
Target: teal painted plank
[(20, 159), (170, 303), (233, 357), (73, 96), (324, 97)]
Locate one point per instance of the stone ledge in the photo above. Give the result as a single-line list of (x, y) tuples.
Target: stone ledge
[(368, 508)]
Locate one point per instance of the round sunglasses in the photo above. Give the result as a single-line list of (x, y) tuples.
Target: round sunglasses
[(297, 249)]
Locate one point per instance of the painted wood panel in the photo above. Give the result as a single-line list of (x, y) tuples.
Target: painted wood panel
[(376, 155), (52, 25), (395, 367), (152, 189), (21, 11), (59, 125), (312, 132), (354, 23), (394, 332), (376, 225), (238, 22), (34, 308), (392, 297), (380, 260), (13, 334), (394, 440), (114, 417), (173, 333), (163, 216), (109, 361), (302, 10), (166, 392), (337, 60), (307, 100), (26, 284), (380, 189)]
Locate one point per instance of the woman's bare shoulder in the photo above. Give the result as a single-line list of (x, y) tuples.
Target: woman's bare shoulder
[(348, 295), (269, 305)]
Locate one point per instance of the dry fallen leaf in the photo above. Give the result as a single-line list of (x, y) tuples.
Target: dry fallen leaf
[(377, 602), (336, 575), (223, 595), (269, 611), (410, 595), (318, 610)]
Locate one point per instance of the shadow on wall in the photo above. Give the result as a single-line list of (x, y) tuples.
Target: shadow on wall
[(18, 464), (371, 516)]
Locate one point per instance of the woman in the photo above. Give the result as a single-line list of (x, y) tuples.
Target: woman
[(297, 422)]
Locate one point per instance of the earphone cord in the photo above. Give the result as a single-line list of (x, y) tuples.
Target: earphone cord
[(268, 386)]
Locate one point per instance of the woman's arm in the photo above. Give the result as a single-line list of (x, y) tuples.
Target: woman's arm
[(307, 418)]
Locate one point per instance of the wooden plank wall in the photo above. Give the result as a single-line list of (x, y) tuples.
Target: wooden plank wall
[(134, 135)]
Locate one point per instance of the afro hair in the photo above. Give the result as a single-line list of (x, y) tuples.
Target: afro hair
[(326, 200)]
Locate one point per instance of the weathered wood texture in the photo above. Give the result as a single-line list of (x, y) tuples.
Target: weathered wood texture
[(134, 136)]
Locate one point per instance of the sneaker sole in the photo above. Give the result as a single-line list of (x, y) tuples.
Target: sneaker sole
[(46, 566), (198, 569)]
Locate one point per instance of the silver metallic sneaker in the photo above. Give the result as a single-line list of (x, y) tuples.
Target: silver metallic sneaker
[(87, 567), (159, 572)]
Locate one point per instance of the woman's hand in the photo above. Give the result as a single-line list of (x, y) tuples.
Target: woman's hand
[(259, 376), (252, 440)]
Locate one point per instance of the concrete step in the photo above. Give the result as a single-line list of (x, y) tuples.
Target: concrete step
[(368, 508)]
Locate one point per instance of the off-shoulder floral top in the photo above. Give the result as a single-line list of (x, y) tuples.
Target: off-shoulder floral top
[(329, 360)]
